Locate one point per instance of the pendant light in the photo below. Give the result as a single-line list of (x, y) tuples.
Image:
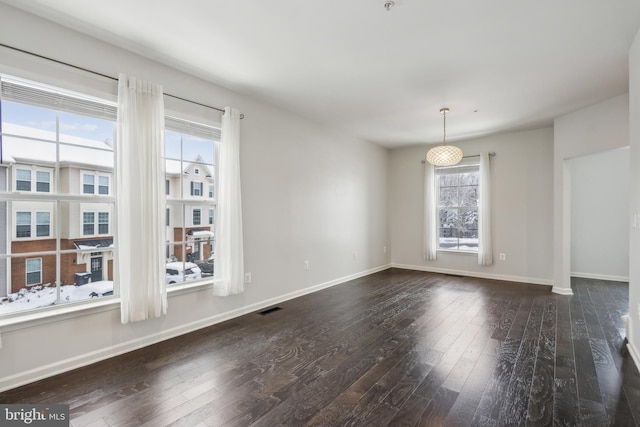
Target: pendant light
[(444, 155)]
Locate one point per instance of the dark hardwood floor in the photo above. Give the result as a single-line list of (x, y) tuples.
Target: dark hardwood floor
[(398, 348)]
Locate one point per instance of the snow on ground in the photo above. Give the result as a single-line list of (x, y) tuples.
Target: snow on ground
[(43, 296)]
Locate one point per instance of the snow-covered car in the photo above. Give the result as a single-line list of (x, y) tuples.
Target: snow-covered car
[(182, 271)]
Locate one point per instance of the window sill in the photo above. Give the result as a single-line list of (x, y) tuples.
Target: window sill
[(56, 314), (450, 251), (64, 312)]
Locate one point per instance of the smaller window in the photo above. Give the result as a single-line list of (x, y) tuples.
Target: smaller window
[(210, 216), (196, 188), (88, 184), (43, 224), (196, 171), (103, 185), (167, 186), (211, 190), (88, 223), (23, 224), (23, 180), (197, 217), (43, 181), (34, 271), (168, 217), (103, 222)]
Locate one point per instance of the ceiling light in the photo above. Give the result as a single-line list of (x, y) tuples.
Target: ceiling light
[(444, 155), (388, 5)]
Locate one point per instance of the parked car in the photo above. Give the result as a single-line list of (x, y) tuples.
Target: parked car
[(181, 272), (206, 266)]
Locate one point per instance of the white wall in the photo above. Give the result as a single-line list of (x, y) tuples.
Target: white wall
[(522, 197), (309, 193), (634, 191), (599, 215), (600, 127)]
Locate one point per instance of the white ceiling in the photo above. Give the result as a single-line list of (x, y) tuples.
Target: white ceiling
[(383, 75)]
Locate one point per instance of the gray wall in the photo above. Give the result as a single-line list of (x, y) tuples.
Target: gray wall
[(522, 197), (309, 193), (599, 215)]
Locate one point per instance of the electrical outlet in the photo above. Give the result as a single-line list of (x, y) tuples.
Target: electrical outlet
[(306, 264), (247, 277), (384, 249), (503, 257)]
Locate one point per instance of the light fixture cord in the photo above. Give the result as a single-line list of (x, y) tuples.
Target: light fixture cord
[(444, 130)]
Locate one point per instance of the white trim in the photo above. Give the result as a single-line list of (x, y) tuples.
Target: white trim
[(600, 277), (519, 279), (562, 291), (635, 355), (36, 374)]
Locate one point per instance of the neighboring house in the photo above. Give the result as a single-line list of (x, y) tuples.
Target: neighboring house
[(190, 223), (86, 169), (86, 227)]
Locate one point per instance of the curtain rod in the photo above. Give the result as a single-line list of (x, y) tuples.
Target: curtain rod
[(57, 61), (491, 154)]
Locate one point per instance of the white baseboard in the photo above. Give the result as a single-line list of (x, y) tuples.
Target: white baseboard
[(519, 279), (635, 355), (41, 372), (600, 277), (562, 291)]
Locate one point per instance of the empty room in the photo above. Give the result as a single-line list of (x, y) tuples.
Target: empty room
[(367, 213)]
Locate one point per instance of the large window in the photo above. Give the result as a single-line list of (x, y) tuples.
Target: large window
[(64, 142), (457, 193), (189, 152)]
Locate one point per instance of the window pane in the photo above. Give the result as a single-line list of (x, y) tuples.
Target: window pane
[(43, 181), (23, 180), (468, 196), (448, 196), (23, 224), (196, 217), (33, 271), (88, 222), (43, 224), (27, 120), (103, 222), (103, 185), (88, 184), (85, 130)]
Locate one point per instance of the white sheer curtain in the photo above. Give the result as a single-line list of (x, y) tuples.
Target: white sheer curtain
[(139, 267), (485, 249), (430, 213), (229, 251)]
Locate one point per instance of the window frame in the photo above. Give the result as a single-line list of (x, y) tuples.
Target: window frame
[(468, 165)]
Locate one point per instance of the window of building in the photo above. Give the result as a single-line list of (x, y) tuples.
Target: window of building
[(211, 190), (62, 136), (168, 214), (167, 186), (43, 224), (457, 193), (88, 184), (211, 216), (103, 222), (23, 224), (196, 171), (23, 180), (197, 217), (33, 269), (103, 185), (43, 182), (196, 188), (88, 223)]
